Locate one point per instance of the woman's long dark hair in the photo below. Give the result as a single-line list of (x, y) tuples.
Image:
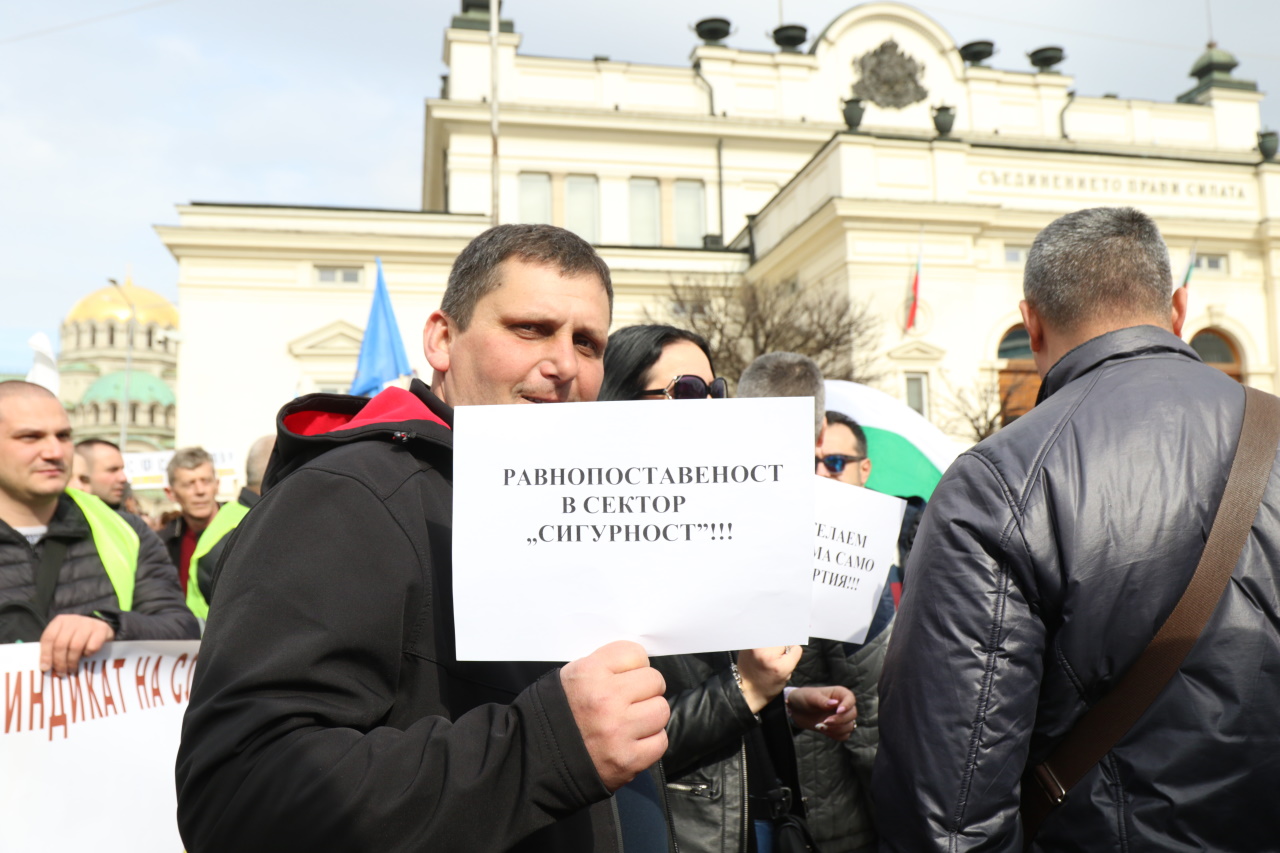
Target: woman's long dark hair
[(635, 349)]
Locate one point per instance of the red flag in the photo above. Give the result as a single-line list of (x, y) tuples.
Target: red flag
[(915, 296)]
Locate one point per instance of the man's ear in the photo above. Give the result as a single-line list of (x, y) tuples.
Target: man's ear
[(866, 468), (1035, 327), (168, 493), (1179, 314), (437, 340)]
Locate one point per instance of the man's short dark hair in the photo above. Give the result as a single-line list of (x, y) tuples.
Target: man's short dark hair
[(859, 437), (187, 458), (1103, 262), (785, 374), (88, 448), (632, 350), (477, 271)]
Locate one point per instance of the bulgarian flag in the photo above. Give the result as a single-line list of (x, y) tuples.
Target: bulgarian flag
[(908, 454), (1191, 264), (915, 295)]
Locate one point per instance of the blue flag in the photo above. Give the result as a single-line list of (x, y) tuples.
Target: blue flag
[(382, 357)]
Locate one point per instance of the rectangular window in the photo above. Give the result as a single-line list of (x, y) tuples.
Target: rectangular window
[(690, 214), (339, 275), (918, 392), (1015, 255), (1212, 263), (646, 212), (582, 206), (535, 198)]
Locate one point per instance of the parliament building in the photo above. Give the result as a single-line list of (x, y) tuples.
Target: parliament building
[(845, 158)]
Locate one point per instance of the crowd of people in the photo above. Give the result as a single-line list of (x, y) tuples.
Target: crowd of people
[(330, 711)]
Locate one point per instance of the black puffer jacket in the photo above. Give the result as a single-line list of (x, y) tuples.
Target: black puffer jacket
[(329, 711), (835, 778), (1047, 559), (159, 611)]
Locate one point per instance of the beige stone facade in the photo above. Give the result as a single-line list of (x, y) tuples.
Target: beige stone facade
[(661, 166)]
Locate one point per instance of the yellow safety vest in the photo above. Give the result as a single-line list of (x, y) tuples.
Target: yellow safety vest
[(116, 542), (228, 517)]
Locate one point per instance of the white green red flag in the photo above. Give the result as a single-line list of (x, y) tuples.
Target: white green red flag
[(908, 454)]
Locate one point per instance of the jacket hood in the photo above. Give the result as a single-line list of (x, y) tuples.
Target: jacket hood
[(316, 423)]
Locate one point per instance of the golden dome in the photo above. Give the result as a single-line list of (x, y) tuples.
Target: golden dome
[(109, 304)]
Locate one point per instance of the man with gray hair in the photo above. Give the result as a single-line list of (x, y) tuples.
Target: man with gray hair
[(213, 540), (1048, 558), (193, 486), (786, 374), (833, 776)]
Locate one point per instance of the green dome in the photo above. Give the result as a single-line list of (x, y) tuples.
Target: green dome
[(1214, 61), (144, 388)]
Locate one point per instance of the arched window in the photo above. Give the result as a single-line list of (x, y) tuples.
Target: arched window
[(114, 410), (1019, 382), (93, 335), (97, 414), (133, 413), (155, 410), (111, 334), (1218, 350), (151, 336)]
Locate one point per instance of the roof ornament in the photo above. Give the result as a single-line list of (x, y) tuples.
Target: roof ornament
[(890, 78)]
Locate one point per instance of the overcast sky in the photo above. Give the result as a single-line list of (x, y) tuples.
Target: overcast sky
[(107, 124)]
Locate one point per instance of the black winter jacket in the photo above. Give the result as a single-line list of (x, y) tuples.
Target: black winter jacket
[(159, 611), (329, 711), (1047, 559), (835, 778)]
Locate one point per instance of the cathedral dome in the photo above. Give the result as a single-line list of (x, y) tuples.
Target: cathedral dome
[(108, 304), (144, 388)]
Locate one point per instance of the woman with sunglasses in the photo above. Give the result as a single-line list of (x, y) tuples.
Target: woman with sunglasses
[(719, 772), (659, 363)]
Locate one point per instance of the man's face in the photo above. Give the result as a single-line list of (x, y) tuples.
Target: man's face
[(538, 337), (106, 474), (35, 449), (195, 490), (838, 439)]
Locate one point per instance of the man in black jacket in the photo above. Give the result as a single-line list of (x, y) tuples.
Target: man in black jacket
[(329, 711), (1047, 559), (113, 580)]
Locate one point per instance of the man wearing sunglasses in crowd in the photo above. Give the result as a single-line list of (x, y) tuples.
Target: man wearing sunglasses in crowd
[(842, 451)]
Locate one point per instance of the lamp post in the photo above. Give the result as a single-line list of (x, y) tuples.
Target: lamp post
[(128, 364)]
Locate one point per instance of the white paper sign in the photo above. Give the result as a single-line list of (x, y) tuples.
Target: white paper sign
[(88, 759), (855, 540), (683, 525)]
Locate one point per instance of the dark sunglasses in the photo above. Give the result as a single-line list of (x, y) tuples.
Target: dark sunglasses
[(835, 462), (690, 388)]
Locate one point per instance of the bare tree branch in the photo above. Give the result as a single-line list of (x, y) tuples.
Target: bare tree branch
[(743, 320)]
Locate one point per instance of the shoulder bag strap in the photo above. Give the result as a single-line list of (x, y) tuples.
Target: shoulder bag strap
[(1103, 725), (52, 556)]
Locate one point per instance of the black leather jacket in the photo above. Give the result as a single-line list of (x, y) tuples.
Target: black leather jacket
[(1047, 559)]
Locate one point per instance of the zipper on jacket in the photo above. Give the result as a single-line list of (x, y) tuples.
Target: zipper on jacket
[(617, 824), (401, 437), (746, 798), (666, 806), (699, 790)]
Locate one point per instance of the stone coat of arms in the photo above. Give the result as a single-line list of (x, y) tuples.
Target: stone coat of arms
[(890, 78)]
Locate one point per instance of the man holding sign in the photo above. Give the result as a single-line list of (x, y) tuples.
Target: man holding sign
[(329, 710)]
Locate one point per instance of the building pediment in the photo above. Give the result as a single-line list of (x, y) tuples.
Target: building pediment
[(338, 339), (916, 351)]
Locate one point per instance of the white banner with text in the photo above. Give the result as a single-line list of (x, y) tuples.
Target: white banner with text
[(88, 758)]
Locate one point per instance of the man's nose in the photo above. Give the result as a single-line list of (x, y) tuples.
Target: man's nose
[(560, 361)]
